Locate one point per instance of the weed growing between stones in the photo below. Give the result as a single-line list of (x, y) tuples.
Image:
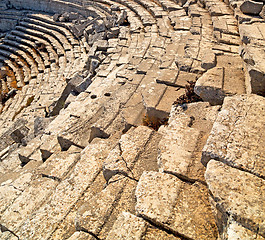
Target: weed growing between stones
[(154, 122), (189, 96)]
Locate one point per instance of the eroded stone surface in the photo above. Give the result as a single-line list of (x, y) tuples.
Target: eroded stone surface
[(237, 136), (183, 139), (128, 226), (238, 193), (85, 77), (166, 201)]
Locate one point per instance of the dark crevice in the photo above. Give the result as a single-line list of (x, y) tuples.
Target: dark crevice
[(183, 178), (92, 234), (5, 229), (165, 229), (51, 177)]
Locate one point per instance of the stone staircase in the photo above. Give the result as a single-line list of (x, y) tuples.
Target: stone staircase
[(76, 160)]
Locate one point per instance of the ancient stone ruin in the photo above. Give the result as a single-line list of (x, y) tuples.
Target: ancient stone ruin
[(132, 119)]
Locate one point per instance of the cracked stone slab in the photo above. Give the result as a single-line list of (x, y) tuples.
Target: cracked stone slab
[(237, 136), (92, 215), (184, 138), (175, 205), (208, 60), (123, 157), (127, 226), (58, 165), (239, 194), (27, 202), (65, 195)]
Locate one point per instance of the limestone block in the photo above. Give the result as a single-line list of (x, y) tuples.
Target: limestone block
[(127, 226), (27, 202), (92, 214), (65, 195), (40, 123), (123, 157), (19, 134), (209, 86), (251, 7), (78, 83), (156, 195), (235, 231), (183, 138), (25, 153), (66, 139), (176, 156), (175, 205), (208, 60), (99, 25), (81, 236), (7, 195), (226, 79), (237, 137), (238, 193), (145, 65), (58, 165), (102, 45)]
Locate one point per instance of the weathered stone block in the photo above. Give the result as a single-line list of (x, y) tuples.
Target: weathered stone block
[(237, 137), (238, 193), (175, 205), (127, 226)]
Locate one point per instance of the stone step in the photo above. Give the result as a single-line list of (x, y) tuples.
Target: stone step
[(146, 18), (176, 206), (252, 52), (55, 29), (24, 56), (129, 226), (241, 115), (15, 68), (17, 37), (40, 31), (44, 221), (24, 69), (241, 196), (135, 151), (48, 56), (183, 140), (226, 79), (46, 177), (60, 26), (28, 51)]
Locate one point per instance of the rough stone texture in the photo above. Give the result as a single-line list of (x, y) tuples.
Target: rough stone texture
[(237, 193), (252, 35), (81, 236), (226, 79), (167, 201), (236, 137), (77, 81), (183, 139), (237, 231), (123, 157), (128, 226)]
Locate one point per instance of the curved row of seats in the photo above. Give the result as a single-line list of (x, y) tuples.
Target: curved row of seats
[(125, 84)]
